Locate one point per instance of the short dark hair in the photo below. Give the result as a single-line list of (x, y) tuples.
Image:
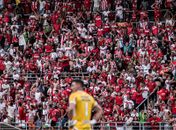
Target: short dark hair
[(20, 104), (79, 81)]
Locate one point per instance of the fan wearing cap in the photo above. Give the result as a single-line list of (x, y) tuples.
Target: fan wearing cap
[(80, 108)]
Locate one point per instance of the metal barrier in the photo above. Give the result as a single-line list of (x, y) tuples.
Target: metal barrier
[(137, 126), (33, 76), (5, 126), (105, 126)]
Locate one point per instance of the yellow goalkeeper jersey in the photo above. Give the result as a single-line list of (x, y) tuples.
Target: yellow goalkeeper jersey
[(84, 104)]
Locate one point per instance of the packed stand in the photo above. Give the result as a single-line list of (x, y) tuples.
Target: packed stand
[(125, 50)]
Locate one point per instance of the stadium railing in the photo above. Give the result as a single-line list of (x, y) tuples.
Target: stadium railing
[(5, 126), (106, 126), (33, 76)]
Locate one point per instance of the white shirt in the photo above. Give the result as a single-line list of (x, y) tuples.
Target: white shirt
[(119, 10), (2, 52), (45, 111), (2, 93), (91, 27), (169, 22), (5, 86), (14, 29), (134, 114), (167, 85), (8, 64), (174, 72), (11, 51), (146, 68), (38, 97), (103, 50), (130, 79), (105, 13), (1, 2), (22, 41), (2, 106), (145, 92), (39, 64), (54, 55), (90, 69), (128, 104), (82, 31), (129, 121), (16, 76), (31, 113), (143, 52), (11, 111), (96, 3), (42, 4), (56, 40)]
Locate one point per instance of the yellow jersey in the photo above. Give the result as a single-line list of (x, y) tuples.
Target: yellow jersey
[(84, 104)]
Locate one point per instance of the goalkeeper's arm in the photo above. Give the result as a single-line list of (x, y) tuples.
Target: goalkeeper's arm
[(97, 115)]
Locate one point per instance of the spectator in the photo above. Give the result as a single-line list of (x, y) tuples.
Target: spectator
[(11, 112), (154, 121), (22, 113), (142, 116)]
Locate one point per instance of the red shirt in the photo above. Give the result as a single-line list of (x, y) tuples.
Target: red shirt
[(56, 27), (2, 66), (155, 119), (154, 122), (87, 4), (22, 113), (48, 48), (6, 19), (54, 17), (151, 85), (47, 6), (68, 79), (36, 55), (119, 100), (98, 21), (106, 28), (173, 109), (27, 86), (100, 32), (55, 114), (157, 13), (120, 82), (8, 37), (139, 98), (65, 63), (129, 29), (163, 94), (95, 51), (56, 97), (155, 30), (50, 113), (134, 16)]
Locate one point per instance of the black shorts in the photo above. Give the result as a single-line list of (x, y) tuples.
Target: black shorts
[(53, 123)]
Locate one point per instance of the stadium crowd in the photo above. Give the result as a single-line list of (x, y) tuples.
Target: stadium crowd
[(123, 51)]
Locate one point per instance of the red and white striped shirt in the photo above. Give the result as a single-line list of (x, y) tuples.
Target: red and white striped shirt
[(104, 4)]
